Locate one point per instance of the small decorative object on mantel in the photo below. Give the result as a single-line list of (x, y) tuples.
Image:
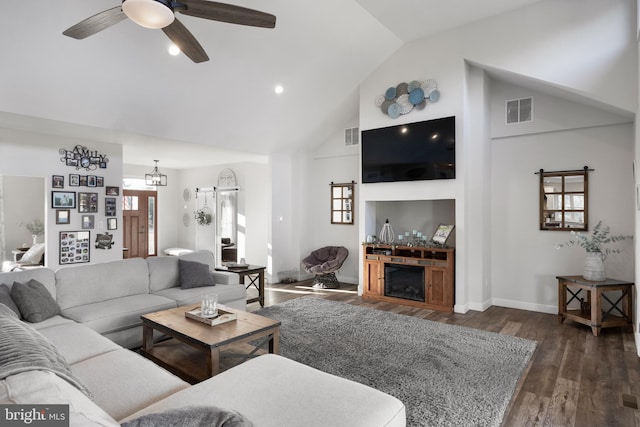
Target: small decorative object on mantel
[(82, 157), (404, 97), (386, 234), (597, 251)]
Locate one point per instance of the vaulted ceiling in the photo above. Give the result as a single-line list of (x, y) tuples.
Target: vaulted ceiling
[(122, 86)]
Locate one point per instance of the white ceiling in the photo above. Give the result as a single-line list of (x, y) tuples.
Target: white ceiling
[(121, 85)]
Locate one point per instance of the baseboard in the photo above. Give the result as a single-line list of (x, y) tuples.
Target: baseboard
[(480, 306), (520, 305), (460, 308)]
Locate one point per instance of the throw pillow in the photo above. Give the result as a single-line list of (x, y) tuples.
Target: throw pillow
[(33, 255), (194, 274), (34, 301), (191, 416), (7, 312), (5, 298)]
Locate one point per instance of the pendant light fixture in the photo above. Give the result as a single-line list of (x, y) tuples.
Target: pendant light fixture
[(155, 178)]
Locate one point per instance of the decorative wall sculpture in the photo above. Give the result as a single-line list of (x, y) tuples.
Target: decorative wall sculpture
[(404, 97), (82, 157)]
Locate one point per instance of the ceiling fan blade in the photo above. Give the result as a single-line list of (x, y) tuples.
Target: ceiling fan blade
[(95, 23), (183, 38), (227, 13)]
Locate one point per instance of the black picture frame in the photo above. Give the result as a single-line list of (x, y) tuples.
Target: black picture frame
[(91, 181), (57, 181), (75, 247), (74, 180), (83, 180), (88, 202), (63, 216), (63, 199), (112, 191), (88, 222), (99, 181), (110, 206)]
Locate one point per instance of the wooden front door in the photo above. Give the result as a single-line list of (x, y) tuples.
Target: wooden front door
[(139, 214)]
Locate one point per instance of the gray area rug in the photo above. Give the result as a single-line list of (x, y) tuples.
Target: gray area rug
[(446, 375)]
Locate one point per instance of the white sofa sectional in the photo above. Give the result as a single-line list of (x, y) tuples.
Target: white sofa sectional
[(269, 390)]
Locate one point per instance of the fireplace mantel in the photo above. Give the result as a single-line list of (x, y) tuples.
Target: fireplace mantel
[(437, 281)]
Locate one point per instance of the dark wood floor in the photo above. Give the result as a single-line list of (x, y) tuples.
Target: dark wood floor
[(574, 379)]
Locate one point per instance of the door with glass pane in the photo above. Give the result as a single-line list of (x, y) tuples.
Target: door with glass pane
[(139, 215)]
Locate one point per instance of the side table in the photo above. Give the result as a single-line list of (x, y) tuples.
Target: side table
[(591, 312), (255, 273)]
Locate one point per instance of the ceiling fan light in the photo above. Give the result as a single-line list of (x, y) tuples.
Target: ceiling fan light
[(148, 13)]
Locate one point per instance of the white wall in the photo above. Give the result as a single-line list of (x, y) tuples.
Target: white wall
[(24, 202), (253, 213), (330, 162), (585, 48), (36, 154)]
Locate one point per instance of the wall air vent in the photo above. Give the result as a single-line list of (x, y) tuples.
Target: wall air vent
[(519, 110), (351, 137)]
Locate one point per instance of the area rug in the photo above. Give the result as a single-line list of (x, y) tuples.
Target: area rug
[(446, 375)]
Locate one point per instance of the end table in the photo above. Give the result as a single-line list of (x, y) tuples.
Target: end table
[(255, 273), (591, 312)]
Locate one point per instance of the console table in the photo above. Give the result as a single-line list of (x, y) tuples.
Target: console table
[(591, 312), (255, 274)]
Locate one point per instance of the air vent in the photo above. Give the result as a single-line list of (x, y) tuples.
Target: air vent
[(351, 136), (519, 110)]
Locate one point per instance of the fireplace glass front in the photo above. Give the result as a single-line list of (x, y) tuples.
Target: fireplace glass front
[(404, 281)]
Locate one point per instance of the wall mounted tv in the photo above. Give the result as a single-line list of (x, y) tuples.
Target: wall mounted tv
[(410, 152)]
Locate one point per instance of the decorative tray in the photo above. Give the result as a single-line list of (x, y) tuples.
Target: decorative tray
[(223, 316), (232, 265)]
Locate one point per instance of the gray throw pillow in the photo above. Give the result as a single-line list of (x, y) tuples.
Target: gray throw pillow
[(5, 298), (34, 301), (194, 274), (191, 416), (7, 312)]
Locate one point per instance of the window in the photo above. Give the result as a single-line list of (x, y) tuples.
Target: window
[(519, 110), (342, 203), (563, 200)]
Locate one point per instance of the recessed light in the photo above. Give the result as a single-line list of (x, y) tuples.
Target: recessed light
[(173, 50), (278, 89)]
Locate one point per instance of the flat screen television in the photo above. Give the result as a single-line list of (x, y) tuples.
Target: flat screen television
[(410, 152)]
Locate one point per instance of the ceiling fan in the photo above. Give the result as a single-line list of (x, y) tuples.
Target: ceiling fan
[(161, 14)]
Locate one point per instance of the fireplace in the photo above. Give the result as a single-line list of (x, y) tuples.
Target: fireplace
[(404, 281)]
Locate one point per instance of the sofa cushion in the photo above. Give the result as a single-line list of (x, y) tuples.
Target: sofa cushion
[(119, 313), (191, 416), (77, 342), (43, 275), (40, 387), (52, 321), (123, 382), (34, 301), (249, 389), (194, 295), (194, 274), (164, 272), (5, 298), (92, 283), (23, 349)]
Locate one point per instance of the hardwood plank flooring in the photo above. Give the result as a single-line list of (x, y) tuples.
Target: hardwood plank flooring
[(574, 378)]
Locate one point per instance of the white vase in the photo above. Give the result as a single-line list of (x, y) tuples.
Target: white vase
[(386, 234), (594, 267)]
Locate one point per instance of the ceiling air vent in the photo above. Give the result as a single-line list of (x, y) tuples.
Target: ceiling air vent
[(351, 137), (519, 110)]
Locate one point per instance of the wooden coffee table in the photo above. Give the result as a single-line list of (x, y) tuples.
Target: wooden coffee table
[(200, 357)]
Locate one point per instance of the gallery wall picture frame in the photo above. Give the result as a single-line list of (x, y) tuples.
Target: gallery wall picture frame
[(99, 181), (112, 191), (63, 216), (75, 247), (112, 223), (91, 181), (110, 206), (57, 181), (74, 180), (88, 222), (83, 180), (88, 202), (63, 199)]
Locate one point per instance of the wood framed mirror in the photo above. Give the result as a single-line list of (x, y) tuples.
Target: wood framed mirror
[(342, 203), (564, 200)]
